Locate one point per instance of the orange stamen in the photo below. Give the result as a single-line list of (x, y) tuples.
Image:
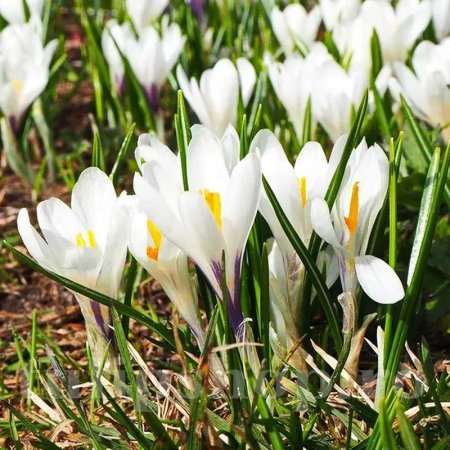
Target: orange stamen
[(352, 219), (153, 252), (303, 191), (212, 199)]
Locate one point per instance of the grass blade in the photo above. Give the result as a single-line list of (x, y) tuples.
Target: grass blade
[(122, 153), (431, 202), (422, 141)]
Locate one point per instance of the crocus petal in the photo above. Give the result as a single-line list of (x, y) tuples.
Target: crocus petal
[(205, 161), (280, 175), (150, 148), (36, 246), (58, 223), (94, 210), (247, 78), (220, 89), (241, 203), (191, 92), (321, 222), (204, 247), (139, 240), (230, 147), (156, 208), (115, 252), (312, 164), (378, 280)]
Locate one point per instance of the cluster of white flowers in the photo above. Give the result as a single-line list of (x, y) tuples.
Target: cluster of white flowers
[(208, 215), (24, 60), (88, 242), (310, 72), (150, 53)]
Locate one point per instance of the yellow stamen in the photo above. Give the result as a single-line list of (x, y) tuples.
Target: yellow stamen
[(153, 252), (303, 191), (17, 85), (91, 239), (212, 199), (79, 240), (352, 219)]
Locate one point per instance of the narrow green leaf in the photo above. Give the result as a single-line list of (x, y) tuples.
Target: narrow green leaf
[(124, 148), (381, 112), (43, 441), (244, 138), (33, 354), (422, 141), (307, 124), (377, 57), (295, 430), (13, 432), (392, 239), (428, 368), (122, 345), (15, 160), (431, 202), (387, 435), (129, 292), (98, 157), (264, 304), (255, 114), (117, 413), (406, 430), (343, 355), (331, 46), (183, 134), (264, 411), (442, 444)]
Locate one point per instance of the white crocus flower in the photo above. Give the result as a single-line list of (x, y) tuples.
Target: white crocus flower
[(24, 68), (151, 55), (335, 12), (293, 82), (295, 187), (335, 94), (116, 35), (352, 38), (427, 90), (397, 29), (440, 12), (145, 12), (86, 243), (215, 99), (347, 228), (13, 10), (215, 215), (165, 262), (295, 27), (168, 265)]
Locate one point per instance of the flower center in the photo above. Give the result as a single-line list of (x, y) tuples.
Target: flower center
[(302, 190), (80, 241), (352, 219), (17, 85), (212, 199), (155, 234)]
